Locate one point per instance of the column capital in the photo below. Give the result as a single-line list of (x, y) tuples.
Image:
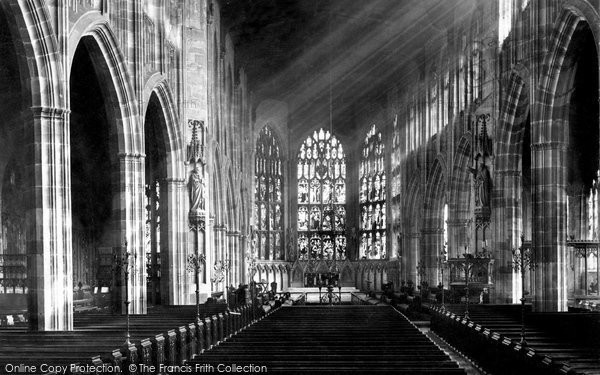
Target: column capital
[(220, 227), (432, 230), (130, 155), (458, 223), (552, 145), (50, 112), (508, 173), (174, 180)]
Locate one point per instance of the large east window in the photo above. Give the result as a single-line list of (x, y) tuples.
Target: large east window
[(321, 198), (268, 209), (372, 197)]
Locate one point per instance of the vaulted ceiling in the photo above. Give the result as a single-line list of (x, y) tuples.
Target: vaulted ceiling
[(305, 51)]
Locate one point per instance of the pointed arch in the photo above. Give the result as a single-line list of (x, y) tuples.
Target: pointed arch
[(412, 224), (459, 197), (550, 138), (173, 219), (508, 199), (459, 186), (514, 109), (39, 51), (230, 202), (105, 50), (174, 144), (432, 230), (216, 178), (126, 139), (435, 189), (413, 205), (45, 111)]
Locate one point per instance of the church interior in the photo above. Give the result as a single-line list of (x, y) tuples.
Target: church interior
[(300, 186)]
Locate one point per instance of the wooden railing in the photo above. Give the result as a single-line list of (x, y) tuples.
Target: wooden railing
[(179, 345), (496, 352), (357, 300), (301, 300)]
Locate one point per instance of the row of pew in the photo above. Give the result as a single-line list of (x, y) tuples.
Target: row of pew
[(99, 341), (357, 339), (491, 336)]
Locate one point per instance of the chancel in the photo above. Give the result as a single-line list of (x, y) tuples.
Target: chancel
[(304, 186)]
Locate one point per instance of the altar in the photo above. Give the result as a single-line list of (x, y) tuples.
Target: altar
[(313, 294), (313, 279)]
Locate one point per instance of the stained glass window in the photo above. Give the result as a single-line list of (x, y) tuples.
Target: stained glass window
[(372, 197), (445, 230), (321, 198), (593, 209), (152, 240), (152, 216), (268, 185)]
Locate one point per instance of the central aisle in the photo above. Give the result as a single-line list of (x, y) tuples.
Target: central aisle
[(331, 339)]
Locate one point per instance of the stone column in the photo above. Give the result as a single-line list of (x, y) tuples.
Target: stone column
[(175, 286), (549, 230), (412, 247), (243, 239), (130, 217), (219, 253), (232, 256), (236, 258), (508, 232), (195, 253), (49, 243), (223, 241), (431, 242), (211, 232), (213, 255)]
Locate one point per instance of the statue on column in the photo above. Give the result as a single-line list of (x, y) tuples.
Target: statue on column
[(291, 253), (482, 185), (482, 142), (481, 174), (196, 191), (253, 241)]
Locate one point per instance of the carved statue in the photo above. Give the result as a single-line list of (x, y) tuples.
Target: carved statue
[(253, 241), (290, 244), (482, 185), (196, 190), (483, 144)]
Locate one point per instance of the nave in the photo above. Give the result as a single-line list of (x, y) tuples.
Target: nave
[(334, 339), (292, 339), (158, 154)]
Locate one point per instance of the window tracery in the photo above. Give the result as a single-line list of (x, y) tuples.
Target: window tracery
[(321, 198), (268, 191), (372, 197)]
